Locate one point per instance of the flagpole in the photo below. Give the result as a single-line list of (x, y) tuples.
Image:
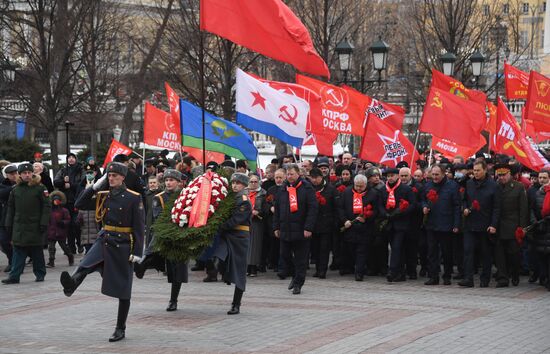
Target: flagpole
[(430, 158), (143, 164), (202, 98), (415, 146)]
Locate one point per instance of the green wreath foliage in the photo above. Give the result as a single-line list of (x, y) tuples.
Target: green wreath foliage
[(182, 244)]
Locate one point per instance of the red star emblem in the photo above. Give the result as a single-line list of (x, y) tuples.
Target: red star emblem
[(258, 99)]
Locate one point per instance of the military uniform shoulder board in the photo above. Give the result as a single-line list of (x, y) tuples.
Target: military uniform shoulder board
[(133, 192)]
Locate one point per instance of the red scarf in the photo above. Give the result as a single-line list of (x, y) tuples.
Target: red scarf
[(358, 201), (546, 203), (252, 197), (292, 198), (390, 204)]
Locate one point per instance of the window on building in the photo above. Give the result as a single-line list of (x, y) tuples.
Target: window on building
[(486, 10), (542, 39), (506, 9), (543, 7), (523, 39), (525, 8)]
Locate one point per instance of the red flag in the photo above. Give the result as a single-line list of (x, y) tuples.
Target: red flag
[(322, 137), (210, 155), (268, 27), (453, 118), (539, 133), (383, 143), (116, 148), (390, 113), (492, 122), (457, 88), (161, 129), (450, 149), (516, 82), (339, 113), (174, 103), (511, 141), (538, 99)]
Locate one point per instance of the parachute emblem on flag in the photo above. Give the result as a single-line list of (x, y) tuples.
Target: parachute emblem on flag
[(393, 149), (542, 87), (436, 101)]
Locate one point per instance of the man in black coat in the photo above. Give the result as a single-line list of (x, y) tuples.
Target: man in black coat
[(412, 239), (274, 243), (396, 207), (68, 181), (357, 211), (377, 259), (441, 205), (481, 211), (326, 221), (6, 187), (119, 244), (293, 223)]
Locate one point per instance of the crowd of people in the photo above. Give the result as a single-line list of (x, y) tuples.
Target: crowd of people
[(455, 218)]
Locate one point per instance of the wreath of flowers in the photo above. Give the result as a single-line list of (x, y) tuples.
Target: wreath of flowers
[(179, 243), (184, 203)]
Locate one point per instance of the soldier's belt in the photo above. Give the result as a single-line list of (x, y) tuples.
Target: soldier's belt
[(242, 228), (118, 229)]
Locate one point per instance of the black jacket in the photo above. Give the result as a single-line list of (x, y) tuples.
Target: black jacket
[(399, 219), (358, 232), (487, 194), (328, 212), (293, 225), (75, 176)]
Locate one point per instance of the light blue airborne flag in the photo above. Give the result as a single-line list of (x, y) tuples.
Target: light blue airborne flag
[(220, 134)]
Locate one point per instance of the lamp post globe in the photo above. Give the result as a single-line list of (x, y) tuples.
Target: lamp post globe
[(448, 62)]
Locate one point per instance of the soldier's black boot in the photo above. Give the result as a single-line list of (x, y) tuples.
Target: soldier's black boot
[(123, 308), (71, 282), (211, 272), (236, 305), (173, 304)]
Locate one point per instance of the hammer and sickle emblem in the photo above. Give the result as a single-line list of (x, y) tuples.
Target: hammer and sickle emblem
[(292, 198), (436, 101), (288, 116), (334, 100), (515, 147)]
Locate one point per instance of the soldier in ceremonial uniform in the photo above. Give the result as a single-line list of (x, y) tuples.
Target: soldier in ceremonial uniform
[(234, 240), (119, 244), (177, 272)]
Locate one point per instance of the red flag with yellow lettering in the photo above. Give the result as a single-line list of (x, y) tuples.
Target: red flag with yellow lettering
[(450, 149), (457, 88), (516, 83), (452, 117), (537, 107), (511, 141)]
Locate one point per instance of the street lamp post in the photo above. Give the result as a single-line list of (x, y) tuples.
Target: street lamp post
[(448, 61), (67, 126), (379, 51), (476, 60), (344, 50)]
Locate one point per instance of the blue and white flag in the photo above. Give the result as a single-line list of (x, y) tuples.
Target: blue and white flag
[(266, 110)]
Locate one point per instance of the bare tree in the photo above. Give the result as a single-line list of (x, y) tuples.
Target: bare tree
[(144, 80), (46, 39)]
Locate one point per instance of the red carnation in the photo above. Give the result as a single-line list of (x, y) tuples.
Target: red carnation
[(432, 196), (269, 198), (415, 190), (462, 190), (322, 200), (403, 205), (341, 188), (520, 235), (333, 179), (367, 211), (475, 205)]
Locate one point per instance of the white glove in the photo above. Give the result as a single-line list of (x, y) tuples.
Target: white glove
[(97, 186), (135, 259)]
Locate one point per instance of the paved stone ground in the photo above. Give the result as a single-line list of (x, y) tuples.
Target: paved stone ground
[(336, 315)]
